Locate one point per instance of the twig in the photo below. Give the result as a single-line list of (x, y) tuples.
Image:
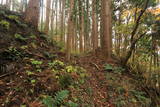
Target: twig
[(7, 74), (35, 54), (96, 66)]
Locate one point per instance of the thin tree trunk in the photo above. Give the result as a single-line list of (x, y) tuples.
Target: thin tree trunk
[(70, 29), (94, 26), (47, 16), (42, 14), (133, 41), (52, 20)]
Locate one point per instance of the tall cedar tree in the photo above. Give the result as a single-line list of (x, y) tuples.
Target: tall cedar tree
[(32, 12), (106, 29)]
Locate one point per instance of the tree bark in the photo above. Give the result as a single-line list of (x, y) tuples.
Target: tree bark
[(94, 26), (32, 12), (70, 29), (106, 29), (48, 8)]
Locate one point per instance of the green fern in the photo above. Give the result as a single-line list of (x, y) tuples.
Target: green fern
[(48, 101), (72, 104), (58, 100), (60, 96)]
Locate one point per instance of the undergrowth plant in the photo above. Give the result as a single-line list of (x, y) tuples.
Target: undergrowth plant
[(66, 80), (109, 67), (5, 24), (57, 65), (13, 53), (37, 64), (19, 37), (58, 100), (13, 17)]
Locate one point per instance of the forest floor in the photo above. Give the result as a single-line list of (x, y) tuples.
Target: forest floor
[(34, 73)]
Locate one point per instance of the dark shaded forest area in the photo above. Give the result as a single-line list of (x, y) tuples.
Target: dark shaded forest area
[(79, 53)]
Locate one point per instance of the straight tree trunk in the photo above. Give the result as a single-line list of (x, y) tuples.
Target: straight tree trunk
[(106, 29), (42, 14), (47, 16), (32, 12), (52, 19), (62, 19), (94, 26), (81, 22), (70, 29)]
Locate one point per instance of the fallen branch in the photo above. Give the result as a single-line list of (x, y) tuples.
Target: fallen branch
[(96, 66), (7, 74), (34, 54)]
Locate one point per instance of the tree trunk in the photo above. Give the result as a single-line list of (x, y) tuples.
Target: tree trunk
[(52, 19), (32, 12), (47, 16), (133, 40), (62, 19), (106, 29), (70, 29), (42, 13), (94, 26), (81, 22)]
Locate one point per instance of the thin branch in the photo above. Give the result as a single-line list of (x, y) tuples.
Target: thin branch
[(138, 20)]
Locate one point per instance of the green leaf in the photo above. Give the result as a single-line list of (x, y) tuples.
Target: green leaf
[(108, 67)]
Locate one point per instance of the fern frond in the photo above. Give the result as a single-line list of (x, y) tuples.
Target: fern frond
[(60, 96)]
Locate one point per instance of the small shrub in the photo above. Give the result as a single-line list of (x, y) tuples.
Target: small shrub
[(5, 24)]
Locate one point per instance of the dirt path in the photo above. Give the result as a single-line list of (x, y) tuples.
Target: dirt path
[(97, 81), (111, 89)]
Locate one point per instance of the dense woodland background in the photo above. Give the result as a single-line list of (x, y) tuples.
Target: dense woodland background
[(126, 32)]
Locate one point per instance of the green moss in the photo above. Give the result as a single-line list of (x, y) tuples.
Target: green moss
[(5, 24)]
